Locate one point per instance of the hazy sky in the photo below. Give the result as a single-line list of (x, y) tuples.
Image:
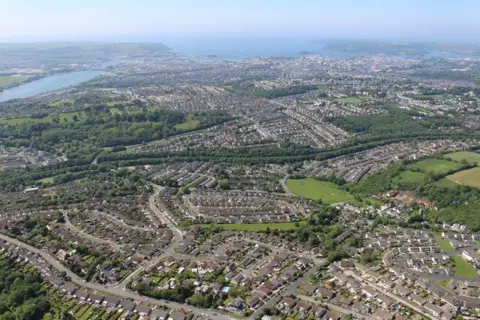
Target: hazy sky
[(85, 19)]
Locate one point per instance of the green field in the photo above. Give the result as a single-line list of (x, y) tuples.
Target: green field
[(470, 177), (445, 183), (350, 100), (435, 166), (464, 269), (328, 192), (256, 226), (468, 156), (47, 180), (373, 201), (190, 123), (68, 116), (411, 177), (445, 246), (8, 80)]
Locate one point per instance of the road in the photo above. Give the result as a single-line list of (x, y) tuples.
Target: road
[(290, 289), (111, 290), (163, 213), (394, 297), (169, 250), (317, 261), (283, 182), (88, 236), (120, 289), (335, 307), (120, 222)]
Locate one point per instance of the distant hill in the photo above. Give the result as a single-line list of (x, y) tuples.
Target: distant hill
[(63, 47), (405, 48)]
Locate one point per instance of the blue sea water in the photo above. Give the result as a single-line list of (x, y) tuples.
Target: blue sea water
[(244, 48)]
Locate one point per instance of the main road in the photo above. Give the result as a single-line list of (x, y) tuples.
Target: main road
[(117, 290), (120, 289)]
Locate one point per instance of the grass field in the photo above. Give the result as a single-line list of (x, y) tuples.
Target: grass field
[(410, 177), (328, 192), (350, 100), (47, 180), (445, 183), (470, 157), (464, 269), (68, 116), (435, 166), (445, 246), (60, 103), (190, 124), (256, 226), (8, 80), (373, 201), (470, 177)]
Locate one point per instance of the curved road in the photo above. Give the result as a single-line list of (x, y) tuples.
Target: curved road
[(111, 290), (283, 182), (169, 250), (88, 236), (162, 213), (120, 289)]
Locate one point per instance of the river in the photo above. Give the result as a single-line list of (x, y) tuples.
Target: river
[(50, 83)]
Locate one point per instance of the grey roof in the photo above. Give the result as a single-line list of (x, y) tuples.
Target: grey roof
[(127, 305)]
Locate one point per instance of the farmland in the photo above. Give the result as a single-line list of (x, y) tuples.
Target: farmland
[(435, 166), (468, 156), (328, 192), (445, 183), (469, 177), (411, 177)]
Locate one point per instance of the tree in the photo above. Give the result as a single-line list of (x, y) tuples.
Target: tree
[(224, 184)]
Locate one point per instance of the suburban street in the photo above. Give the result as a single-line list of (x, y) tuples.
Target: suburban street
[(118, 290), (87, 235), (334, 307), (394, 297), (162, 213)]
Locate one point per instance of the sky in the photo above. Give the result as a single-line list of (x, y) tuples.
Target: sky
[(452, 20)]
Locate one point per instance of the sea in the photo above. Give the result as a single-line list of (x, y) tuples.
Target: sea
[(232, 48), (244, 48)]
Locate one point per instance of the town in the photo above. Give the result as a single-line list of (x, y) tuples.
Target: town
[(177, 187)]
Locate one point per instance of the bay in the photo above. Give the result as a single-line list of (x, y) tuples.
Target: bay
[(47, 84)]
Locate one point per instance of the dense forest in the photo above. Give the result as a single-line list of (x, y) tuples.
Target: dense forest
[(22, 293), (103, 130), (397, 121), (259, 92)]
